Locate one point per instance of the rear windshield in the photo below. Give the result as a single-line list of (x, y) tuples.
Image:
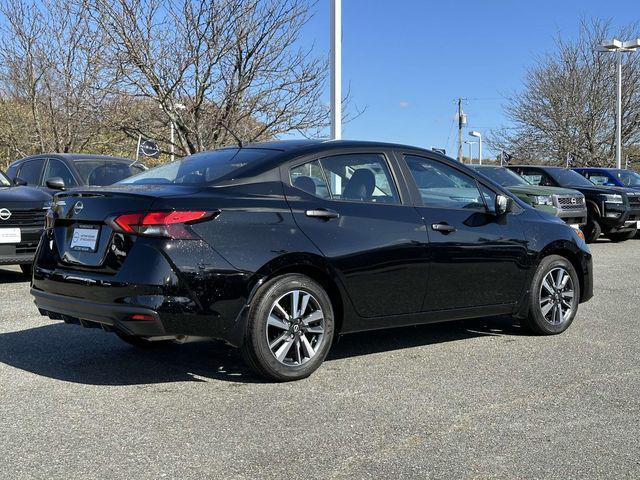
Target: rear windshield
[(4, 181), (205, 168), (568, 178), (106, 172), (503, 176)]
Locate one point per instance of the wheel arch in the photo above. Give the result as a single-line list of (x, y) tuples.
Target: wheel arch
[(593, 208), (568, 251), (314, 267)]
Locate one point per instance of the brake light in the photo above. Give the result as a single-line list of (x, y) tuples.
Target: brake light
[(162, 224)]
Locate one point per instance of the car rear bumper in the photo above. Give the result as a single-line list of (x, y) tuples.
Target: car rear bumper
[(59, 307), (152, 280)]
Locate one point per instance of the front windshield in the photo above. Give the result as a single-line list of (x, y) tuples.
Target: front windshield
[(628, 177), (4, 181), (503, 176), (569, 178), (203, 168)]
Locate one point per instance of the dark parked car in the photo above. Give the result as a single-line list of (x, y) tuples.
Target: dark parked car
[(241, 244), (612, 211), (22, 211), (57, 171), (565, 203), (611, 177)]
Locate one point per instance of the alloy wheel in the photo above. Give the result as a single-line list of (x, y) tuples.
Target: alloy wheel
[(557, 296), (295, 328)]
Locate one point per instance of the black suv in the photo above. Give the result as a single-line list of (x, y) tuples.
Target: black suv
[(22, 212), (53, 172), (612, 211)]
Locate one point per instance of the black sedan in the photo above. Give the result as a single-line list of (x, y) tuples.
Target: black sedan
[(52, 172), (279, 247)]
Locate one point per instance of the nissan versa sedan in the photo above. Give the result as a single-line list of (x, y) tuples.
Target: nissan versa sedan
[(279, 247)]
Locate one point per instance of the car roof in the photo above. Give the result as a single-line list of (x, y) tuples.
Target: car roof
[(544, 167), (75, 156), (321, 144)]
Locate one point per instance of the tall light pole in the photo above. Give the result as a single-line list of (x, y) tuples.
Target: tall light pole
[(470, 143), (336, 69), (178, 106), (619, 47), (478, 135)]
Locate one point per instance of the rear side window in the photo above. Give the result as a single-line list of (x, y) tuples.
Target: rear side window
[(310, 178), (355, 177), (30, 171), (442, 186)]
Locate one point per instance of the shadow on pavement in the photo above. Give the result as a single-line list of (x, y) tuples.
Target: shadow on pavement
[(93, 357), (12, 276)]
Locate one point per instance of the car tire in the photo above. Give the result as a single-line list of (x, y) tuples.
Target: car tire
[(548, 293), (283, 342), (592, 230), (27, 269), (141, 342), (621, 236)]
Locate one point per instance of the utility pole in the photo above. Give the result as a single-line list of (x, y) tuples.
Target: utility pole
[(462, 120)]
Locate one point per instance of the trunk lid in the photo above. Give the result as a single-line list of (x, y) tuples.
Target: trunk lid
[(82, 233)]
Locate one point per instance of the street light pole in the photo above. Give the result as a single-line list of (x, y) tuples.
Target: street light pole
[(478, 135), (619, 47), (470, 143), (619, 112), (336, 69)]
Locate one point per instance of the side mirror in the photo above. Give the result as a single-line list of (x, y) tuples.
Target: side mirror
[(19, 182), (503, 205), (55, 183)]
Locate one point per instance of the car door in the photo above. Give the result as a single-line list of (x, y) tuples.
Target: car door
[(354, 209), (477, 258)]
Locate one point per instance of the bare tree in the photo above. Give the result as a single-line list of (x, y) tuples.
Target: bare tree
[(567, 106), (53, 85), (220, 71)]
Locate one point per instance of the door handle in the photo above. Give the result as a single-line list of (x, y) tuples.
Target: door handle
[(323, 213), (443, 228)]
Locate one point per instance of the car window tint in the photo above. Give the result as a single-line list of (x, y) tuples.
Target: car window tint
[(31, 170), (12, 171), (55, 168), (310, 178), (443, 186), (489, 198), (360, 177)]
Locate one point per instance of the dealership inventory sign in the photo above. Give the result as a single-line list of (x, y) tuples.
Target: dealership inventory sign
[(148, 148)]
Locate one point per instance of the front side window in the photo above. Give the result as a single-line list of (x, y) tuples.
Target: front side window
[(55, 168), (30, 171), (310, 178), (628, 177), (442, 186), (360, 177)]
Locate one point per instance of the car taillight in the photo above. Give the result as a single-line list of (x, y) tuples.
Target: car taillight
[(162, 224)]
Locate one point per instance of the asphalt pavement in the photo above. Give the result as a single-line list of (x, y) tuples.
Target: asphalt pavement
[(474, 399)]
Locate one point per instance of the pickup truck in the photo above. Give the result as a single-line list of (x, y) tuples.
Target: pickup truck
[(611, 211)]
